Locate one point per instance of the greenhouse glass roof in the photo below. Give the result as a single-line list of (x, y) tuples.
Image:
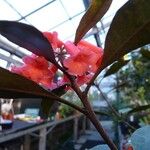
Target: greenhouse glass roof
[(62, 16)]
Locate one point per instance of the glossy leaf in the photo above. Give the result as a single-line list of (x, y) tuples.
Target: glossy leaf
[(16, 86), (27, 37), (116, 67), (95, 12), (140, 139), (130, 29)]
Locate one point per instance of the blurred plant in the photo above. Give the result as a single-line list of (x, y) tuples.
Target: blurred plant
[(65, 110), (137, 77), (138, 73)]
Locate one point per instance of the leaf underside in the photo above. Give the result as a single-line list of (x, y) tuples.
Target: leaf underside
[(94, 14), (130, 29), (16, 86), (27, 37)]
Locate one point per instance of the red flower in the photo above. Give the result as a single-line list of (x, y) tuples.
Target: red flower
[(53, 39), (37, 69), (82, 58), (83, 79), (36, 62), (81, 61)]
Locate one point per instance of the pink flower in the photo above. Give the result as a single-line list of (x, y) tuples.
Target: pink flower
[(84, 79), (82, 58), (38, 69), (36, 62), (53, 39), (81, 61)]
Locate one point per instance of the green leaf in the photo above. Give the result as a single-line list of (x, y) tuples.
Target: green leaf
[(95, 12), (130, 29), (145, 53), (140, 139), (27, 37), (139, 109), (115, 67), (16, 86)]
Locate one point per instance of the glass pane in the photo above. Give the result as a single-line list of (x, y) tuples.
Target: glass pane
[(24, 7), (7, 13), (3, 63), (48, 17), (65, 30), (4, 52), (73, 7)]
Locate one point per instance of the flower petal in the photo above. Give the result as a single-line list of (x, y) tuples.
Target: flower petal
[(53, 39), (75, 67), (71, 48)]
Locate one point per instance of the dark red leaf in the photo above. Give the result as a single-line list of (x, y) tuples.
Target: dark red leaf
[(130, 29), (16, 86), (27, 37), (94, 14)]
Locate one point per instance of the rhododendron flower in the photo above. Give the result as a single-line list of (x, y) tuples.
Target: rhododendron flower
[(36, 62), (81, 61), (82, 58), (83, 79), (80, 80), (38, 69), (53, 39)]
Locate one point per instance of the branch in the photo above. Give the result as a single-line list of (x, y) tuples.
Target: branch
[(107, 101), (89, 113), (117, 87), (112, 108)]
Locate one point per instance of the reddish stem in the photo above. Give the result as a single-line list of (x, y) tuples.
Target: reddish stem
[(91, 115), (90, 112)]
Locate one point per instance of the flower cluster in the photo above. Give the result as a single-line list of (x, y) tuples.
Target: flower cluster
[(81, 61)]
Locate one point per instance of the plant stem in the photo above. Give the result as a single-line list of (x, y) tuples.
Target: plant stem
[(91, 115), (107, 101), (112, 108)]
